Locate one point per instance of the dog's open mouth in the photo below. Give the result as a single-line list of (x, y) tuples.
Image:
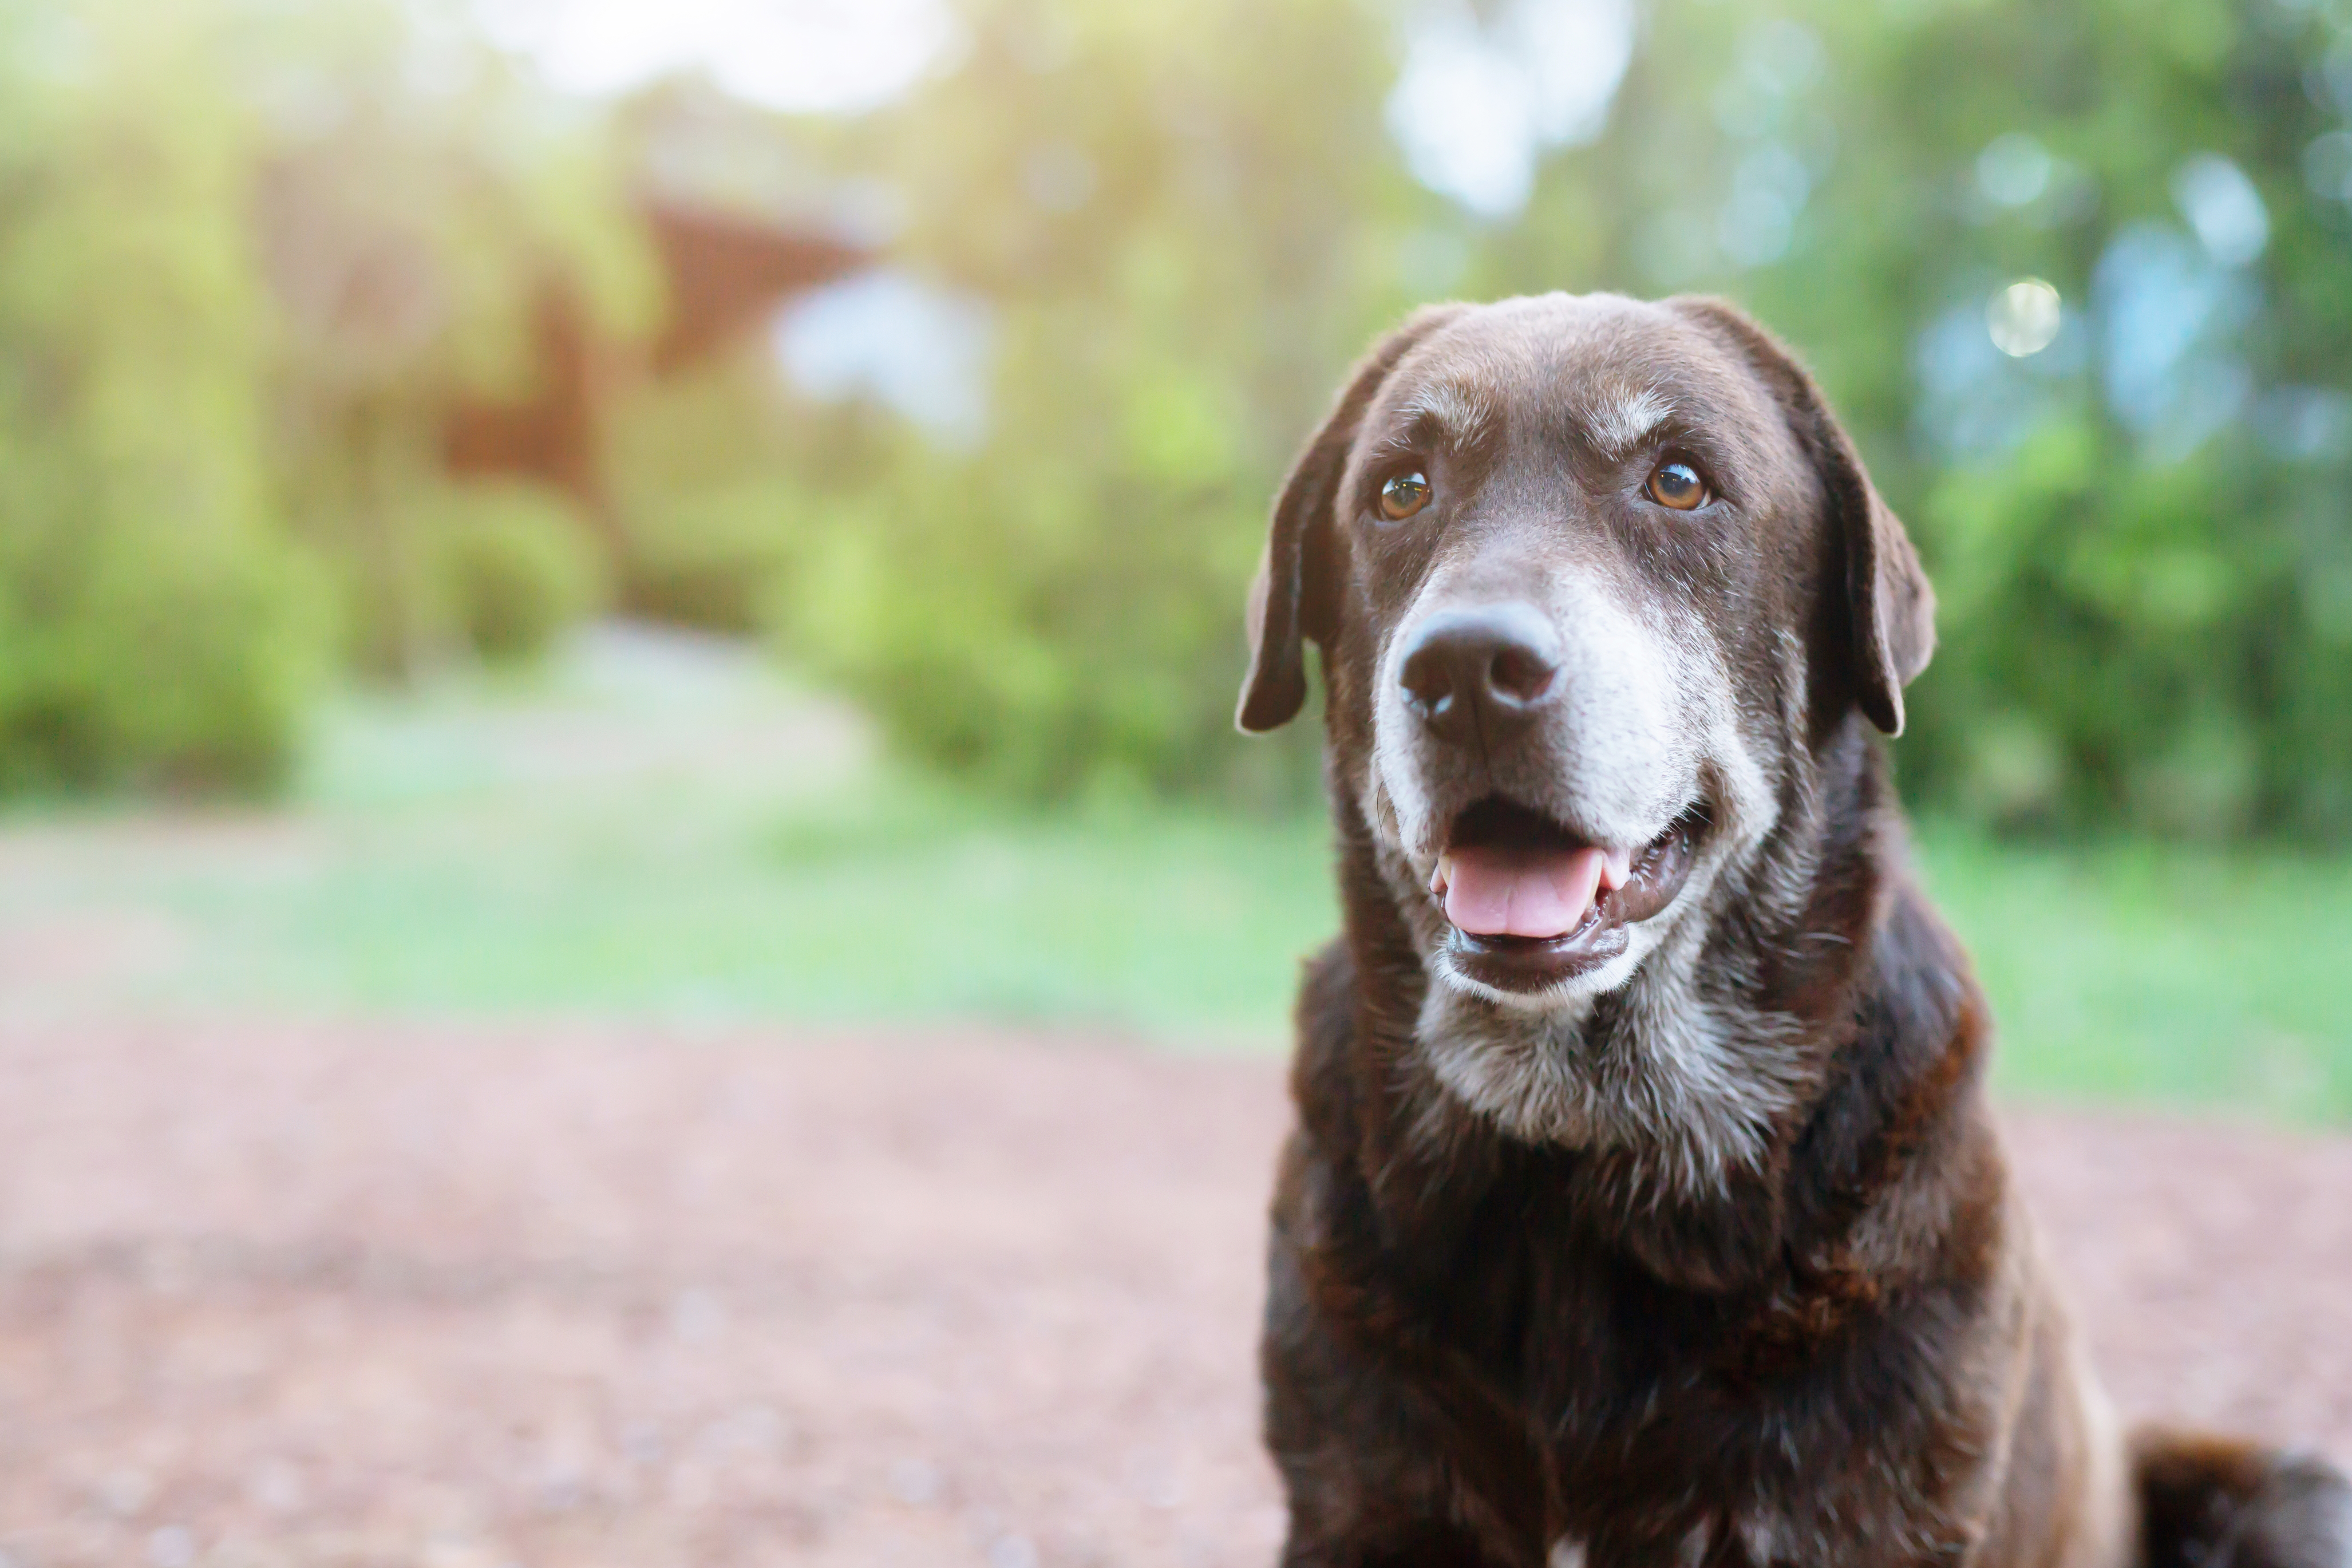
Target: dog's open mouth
[(1532, 904)]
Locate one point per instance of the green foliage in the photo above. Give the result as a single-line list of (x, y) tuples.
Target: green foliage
[(158, 628), (517, 566), (1181, 218), (2141, 558), (717, 558), (247, 250), (716, 500), (417, 204), (250, 250), (1188, 223)]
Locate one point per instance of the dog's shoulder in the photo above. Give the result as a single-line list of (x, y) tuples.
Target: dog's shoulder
[(1390, 1188), (1903, 1092), (1322, 1069)]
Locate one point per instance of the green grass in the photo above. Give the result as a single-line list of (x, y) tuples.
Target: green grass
[(841, 908), (595, 845), (2192, 975), (584, 846)]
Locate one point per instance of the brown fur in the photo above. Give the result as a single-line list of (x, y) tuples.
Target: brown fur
[(1831, 1343)]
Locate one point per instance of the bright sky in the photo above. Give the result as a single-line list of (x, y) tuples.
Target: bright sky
[(1480, 100), (814, 56), (1477, 103)]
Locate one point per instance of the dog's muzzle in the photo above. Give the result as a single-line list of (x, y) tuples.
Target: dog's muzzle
[(1531, 900)]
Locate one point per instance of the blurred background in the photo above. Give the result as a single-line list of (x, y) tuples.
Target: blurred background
[(618, 625)]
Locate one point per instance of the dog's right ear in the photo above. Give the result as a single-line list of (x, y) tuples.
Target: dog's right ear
[(1890, 607), (1296, 595)]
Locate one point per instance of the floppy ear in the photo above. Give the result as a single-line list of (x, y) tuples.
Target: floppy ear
[(1891, 609), (1296, 595)]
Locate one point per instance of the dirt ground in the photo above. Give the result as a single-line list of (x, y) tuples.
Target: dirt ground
[(460, 1299)]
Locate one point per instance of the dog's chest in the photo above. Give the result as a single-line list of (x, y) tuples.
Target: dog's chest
[(1758, 1539), (1671, 1438)]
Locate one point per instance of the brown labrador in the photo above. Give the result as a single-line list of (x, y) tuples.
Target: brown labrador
[(1643, 1205)]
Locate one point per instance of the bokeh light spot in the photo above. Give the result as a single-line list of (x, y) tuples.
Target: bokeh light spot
[(2014, 170), (2024, 317), (2222, 205)]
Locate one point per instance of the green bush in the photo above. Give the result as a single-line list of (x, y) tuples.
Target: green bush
[(2139, 643), (1184, 221), (2141, 535), (183, 670), (716, 558), (1003, 636), (517, 568), (156, 628), (719, 482)]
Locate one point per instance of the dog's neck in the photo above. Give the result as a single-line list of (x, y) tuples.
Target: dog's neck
[(1673, 1105)]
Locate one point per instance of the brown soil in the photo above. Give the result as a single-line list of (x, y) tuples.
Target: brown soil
[(462, 1298)]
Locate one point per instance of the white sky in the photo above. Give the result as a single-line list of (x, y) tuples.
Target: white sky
[(1474, 110), (811, 56), (1477, 102)]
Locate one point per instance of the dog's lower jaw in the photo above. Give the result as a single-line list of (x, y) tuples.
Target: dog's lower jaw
[(1687, 1080), (1423, 910), (1566, 1000), (1689, 1086)]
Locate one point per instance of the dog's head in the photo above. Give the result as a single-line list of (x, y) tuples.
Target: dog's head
[(1593, 578)]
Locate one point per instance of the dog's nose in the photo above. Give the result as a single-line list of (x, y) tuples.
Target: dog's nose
[(1483, 670)]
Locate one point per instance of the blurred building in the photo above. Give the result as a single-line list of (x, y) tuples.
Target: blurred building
[(724, 276)]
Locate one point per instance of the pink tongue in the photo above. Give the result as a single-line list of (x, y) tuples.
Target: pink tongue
[(1521, 892)]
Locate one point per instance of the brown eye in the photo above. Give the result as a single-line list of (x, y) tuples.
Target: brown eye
[(1403, 495), (1678, 486)]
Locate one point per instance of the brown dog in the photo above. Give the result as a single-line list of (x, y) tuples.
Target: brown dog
[(1643, 1205)]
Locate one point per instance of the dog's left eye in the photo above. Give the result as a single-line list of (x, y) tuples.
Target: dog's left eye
[(1677, 486), (1404, 495)]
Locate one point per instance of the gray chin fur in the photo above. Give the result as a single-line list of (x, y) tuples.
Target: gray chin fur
[(1682, 1069)]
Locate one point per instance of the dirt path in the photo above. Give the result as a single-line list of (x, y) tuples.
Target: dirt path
[(284, 1295)]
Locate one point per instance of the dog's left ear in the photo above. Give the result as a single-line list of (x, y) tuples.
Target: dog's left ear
[(1296, 595), (1890, 606)]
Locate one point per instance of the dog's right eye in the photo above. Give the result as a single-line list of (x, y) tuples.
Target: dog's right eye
[(1678, 486), (1404, 495)]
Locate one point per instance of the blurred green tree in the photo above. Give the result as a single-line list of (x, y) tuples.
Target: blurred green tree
[(248, 250), (420, 211), (1184, 221), (2141, 530), (1186, 224), (154, 625)]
